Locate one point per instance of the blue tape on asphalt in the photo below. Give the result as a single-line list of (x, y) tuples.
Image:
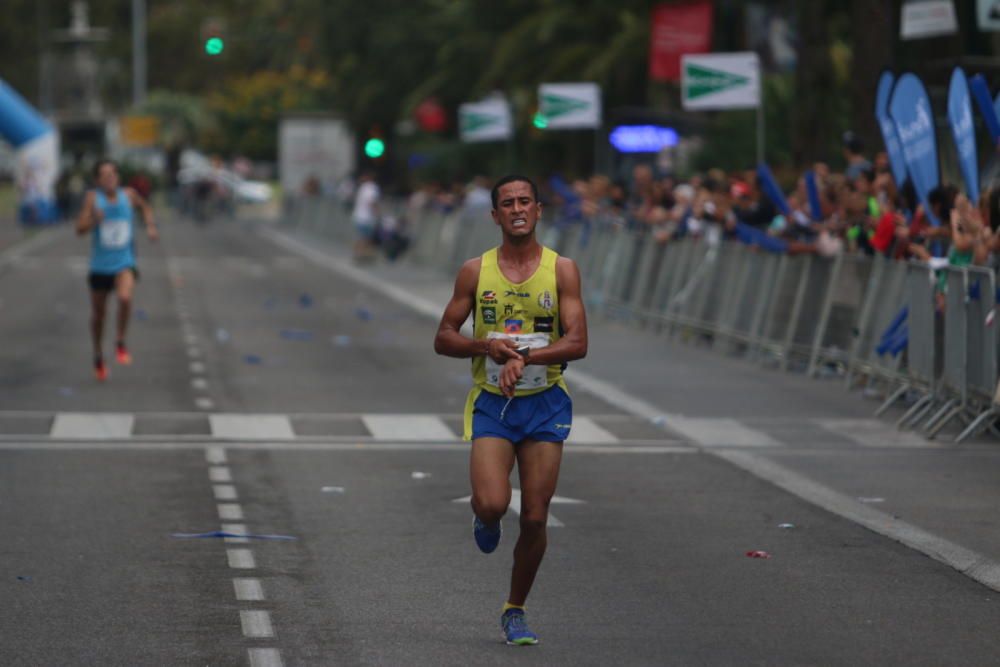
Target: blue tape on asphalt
[(296, 334), (221, 534)]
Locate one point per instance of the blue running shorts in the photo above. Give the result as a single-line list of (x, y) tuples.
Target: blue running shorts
[(546, 416)]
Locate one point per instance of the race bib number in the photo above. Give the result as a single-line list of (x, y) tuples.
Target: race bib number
[(115, 234), (534, 377)]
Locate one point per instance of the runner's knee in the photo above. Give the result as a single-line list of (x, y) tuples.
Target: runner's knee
[(489, 508)]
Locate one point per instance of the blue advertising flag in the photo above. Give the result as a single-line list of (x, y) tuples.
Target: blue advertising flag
[(812, 192), (910, 109), (981, 94), (770, 188), (996, 105), (960, 119), (896, 160)]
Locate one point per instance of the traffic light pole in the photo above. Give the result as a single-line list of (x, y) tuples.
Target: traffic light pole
[(138, 51)]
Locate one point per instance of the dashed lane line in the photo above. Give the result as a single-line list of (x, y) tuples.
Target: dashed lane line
[(248, 589)]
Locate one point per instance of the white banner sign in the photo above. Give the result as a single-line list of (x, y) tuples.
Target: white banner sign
[(488, 120), (928, 18), (988, 14), (570, 106), (720, 81)]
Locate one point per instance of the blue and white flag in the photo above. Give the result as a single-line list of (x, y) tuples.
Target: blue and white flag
[(910, 109), (770, 188), (981, 94), (892, 147), (960, 119), (812, 193)]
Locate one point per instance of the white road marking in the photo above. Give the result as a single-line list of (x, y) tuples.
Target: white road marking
[(586, 431), (970, 563), (190, 339), (515, 505), (248, 589), (220, 474), (230, 511), (408, 427), (236, 529), (256, 623), (21, 248), (200, 384), (251, 427), (215, 454), (265, 657), (719, 432), (196, 367), (173, 443), (224, 491), (204, 403), (96, 425), (241, 559), (193, 352), (874, 433)]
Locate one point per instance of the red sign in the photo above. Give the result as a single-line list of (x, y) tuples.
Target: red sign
[(677, 28)]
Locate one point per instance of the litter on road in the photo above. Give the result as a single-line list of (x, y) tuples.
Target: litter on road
[(758, 554), (416, 474), (332, 489)]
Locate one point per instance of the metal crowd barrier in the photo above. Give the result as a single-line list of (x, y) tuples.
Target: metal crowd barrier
[(871, 318)]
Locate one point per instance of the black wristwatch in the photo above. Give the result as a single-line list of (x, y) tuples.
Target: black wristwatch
[(525, 352)]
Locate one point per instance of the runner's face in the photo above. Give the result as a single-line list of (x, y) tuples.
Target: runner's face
[(107, 177), (517, 211)]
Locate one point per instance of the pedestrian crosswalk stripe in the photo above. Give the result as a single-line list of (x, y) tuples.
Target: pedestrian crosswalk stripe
[(94, 425), (874, 433), (719, 432), (251, 427), (405, 428), (585, 431)]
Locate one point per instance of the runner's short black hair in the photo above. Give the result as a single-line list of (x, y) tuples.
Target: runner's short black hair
[(512, 178), (100, 163)]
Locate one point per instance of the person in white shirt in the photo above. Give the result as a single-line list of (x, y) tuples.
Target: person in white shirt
[(365, 215)]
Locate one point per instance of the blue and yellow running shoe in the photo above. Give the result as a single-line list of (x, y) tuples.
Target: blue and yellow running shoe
[(487, 538), (515, 628)]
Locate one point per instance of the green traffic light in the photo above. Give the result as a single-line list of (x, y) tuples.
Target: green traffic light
[(374, 148), (214, 46), (540, 121)]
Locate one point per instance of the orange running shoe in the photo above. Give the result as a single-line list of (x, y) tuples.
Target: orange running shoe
[(100, 371), (122, 356)]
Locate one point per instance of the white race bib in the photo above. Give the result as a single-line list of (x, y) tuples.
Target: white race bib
[(534, 376), (115, 234)]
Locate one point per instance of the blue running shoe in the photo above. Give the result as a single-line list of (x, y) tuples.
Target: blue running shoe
[(515, 629), (487, 539)]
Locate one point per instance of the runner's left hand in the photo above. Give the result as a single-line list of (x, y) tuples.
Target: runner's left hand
[(509, 375)]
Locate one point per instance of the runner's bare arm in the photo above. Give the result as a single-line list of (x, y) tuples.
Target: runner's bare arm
[(573, 343), (139, 202), (88, 217), (449, 340)]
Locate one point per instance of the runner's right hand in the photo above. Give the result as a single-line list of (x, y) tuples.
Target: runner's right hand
[(501, 350)]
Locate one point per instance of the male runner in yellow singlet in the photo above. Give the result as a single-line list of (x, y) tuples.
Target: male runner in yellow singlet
[(528, 322)]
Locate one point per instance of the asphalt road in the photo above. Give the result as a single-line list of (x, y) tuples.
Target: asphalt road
[(272, 396)]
